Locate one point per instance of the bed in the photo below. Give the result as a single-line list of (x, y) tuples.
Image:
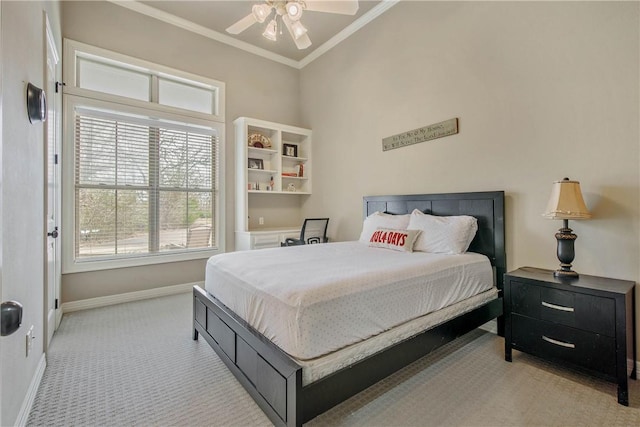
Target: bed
[(295, 385)]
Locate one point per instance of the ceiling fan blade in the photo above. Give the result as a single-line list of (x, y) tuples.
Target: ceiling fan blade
[(344, 7), (301, 42), (242, 24)]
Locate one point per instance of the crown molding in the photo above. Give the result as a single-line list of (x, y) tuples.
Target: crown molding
[(203, 31), (160, 15)]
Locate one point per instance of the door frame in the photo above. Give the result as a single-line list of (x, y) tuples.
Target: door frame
[(52, 127), (1, 192)]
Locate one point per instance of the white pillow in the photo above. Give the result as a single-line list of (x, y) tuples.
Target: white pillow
[(398, 240), (382, 220), (443, 234)]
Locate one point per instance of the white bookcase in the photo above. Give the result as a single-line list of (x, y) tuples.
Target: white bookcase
[(280, 166)]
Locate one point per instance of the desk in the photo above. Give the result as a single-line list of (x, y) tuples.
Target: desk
[(264, 238)]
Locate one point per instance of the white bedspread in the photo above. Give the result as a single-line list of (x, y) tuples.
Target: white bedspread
[(315, 299)]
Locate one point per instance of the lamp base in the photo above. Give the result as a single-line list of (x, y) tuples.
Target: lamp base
[(565, 274), (566, 253)]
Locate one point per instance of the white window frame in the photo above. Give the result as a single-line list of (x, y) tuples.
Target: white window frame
[(75, 97), (74, 49)]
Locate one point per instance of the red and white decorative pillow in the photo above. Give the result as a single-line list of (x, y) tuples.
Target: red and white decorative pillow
[(398, 240), (382, 220)]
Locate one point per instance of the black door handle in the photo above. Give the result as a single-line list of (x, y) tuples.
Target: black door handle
[(54, 233), (11, 317)]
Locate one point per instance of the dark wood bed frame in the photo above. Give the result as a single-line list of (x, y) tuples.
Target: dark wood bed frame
[(274, 380)]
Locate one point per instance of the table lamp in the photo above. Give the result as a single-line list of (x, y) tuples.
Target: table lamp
[(566, 203)]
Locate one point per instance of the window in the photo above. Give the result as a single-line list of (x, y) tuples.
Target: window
[(100, 77), (141, 188), (181, 95), (145, 183)]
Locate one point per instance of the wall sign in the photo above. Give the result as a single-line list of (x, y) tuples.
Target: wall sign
[(437, 130)]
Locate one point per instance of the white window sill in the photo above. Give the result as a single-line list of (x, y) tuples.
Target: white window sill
[(137, 261)]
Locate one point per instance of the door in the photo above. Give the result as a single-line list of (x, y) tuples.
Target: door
[(52, 175)]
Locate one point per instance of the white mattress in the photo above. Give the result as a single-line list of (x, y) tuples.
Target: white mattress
[(312, 300), (315, 369)]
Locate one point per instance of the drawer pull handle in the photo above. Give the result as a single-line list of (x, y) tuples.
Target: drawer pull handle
[(560, 343), (557, 307)]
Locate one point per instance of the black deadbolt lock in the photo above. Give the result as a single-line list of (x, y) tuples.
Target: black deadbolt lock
[(54, 233)]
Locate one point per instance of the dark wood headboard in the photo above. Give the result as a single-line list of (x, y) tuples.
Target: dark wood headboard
[(487, 206)]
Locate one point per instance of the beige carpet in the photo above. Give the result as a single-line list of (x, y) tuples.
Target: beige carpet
[(136, 364)]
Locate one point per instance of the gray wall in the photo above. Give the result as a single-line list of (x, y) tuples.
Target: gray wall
[(255, 87), (542, 90), (23, 189)]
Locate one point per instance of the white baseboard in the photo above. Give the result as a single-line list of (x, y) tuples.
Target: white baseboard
[(27, 403), (85, 304)]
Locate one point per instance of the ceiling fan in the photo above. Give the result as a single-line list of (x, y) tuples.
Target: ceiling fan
[(290, 12)]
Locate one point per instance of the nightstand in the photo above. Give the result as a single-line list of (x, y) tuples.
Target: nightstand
[(585, 323)]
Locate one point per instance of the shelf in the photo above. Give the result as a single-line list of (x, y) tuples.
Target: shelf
[(264, 171), (264, 151), (277, 192), (254, 204), (294, 159)]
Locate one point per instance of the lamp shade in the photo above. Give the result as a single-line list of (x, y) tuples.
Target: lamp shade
[(271, 32), (294, 10), (261, 12), (566, 201), (298, 29)]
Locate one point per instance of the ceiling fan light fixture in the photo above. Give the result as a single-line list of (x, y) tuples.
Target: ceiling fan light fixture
[(261, 12), (271, 32), (294, 10), (290, 12), (298, 29)]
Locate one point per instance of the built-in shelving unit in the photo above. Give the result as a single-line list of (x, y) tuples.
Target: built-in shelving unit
[(271, 159)]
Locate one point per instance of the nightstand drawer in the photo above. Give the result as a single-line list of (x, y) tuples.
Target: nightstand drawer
[(586, 312), (552, 341)]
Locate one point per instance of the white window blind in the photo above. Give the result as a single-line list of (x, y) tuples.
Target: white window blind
[(142, 187)]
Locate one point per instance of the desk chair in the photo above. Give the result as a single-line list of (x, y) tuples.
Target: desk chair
[(314, 230)]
